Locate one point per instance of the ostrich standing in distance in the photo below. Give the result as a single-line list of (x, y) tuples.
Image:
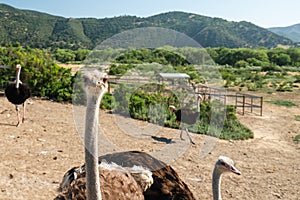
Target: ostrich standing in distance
[(17, 93), (116, 182), (187, 116), (167, 183)]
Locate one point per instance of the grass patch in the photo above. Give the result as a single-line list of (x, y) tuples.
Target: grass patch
[(282, 103), (297, 117), (297, 138)]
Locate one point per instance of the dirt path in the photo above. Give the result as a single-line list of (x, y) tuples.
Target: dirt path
[(35, 156)]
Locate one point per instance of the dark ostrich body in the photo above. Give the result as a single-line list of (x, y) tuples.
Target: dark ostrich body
[(186, 116), (19, 95)]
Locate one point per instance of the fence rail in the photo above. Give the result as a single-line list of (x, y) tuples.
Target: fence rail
[(242, 100)]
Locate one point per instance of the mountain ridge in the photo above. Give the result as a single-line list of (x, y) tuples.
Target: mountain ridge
[(43, 30), (292, 32)]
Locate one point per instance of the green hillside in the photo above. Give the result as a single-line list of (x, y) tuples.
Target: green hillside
[(43, 30), (291, 32)]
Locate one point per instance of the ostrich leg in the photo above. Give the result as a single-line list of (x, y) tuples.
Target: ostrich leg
[(183, 126), (18, 115), (188, 134), (24, 110)]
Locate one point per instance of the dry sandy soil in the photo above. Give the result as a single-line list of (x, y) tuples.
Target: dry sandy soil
[(35, 155)]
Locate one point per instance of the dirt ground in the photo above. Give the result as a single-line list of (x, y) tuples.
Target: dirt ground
[(35, 155)]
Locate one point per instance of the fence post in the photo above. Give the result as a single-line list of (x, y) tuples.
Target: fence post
[(244, 104), (236, 99), (261, 105), (251, 104), (109, 87)]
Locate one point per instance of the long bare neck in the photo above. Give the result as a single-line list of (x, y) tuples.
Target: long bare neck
[(91, 148), (216, 184), (18, 77), (198, 104)]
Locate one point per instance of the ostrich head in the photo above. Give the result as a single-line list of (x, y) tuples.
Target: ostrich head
[(172, 108), (95, 82), (18, 66), (225, 164)]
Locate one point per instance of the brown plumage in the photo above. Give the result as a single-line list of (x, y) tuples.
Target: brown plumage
[(167, 184), (116, 184)]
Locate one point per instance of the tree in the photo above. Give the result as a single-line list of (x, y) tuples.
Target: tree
[(294, 54)]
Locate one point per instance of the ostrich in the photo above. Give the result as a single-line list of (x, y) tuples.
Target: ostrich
[(223, 164), (167, 184), (187, 116), (117, 182), (17, 93)]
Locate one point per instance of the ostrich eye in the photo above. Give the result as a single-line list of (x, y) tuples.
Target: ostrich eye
[(223, 163)]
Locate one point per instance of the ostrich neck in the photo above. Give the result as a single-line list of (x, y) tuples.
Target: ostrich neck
[(91, 148), (198, 105), (18, 78), (216, 184)]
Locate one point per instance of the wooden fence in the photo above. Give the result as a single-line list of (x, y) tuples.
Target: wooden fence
[(247, 101)]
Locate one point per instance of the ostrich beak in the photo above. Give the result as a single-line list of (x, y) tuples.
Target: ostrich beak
[(235, 170)]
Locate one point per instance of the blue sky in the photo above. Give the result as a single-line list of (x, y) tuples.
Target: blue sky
[(265, 13)]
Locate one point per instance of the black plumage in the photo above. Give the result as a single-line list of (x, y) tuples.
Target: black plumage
[(19, 95), (187, 116)]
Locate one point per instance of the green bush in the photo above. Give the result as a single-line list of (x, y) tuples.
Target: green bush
[(273, 68), (241, 64), (297, 79), (297, 138), (285, 87), (108, 102)]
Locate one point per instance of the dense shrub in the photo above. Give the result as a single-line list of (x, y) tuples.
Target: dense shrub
[(70, 56), (272, 68)]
